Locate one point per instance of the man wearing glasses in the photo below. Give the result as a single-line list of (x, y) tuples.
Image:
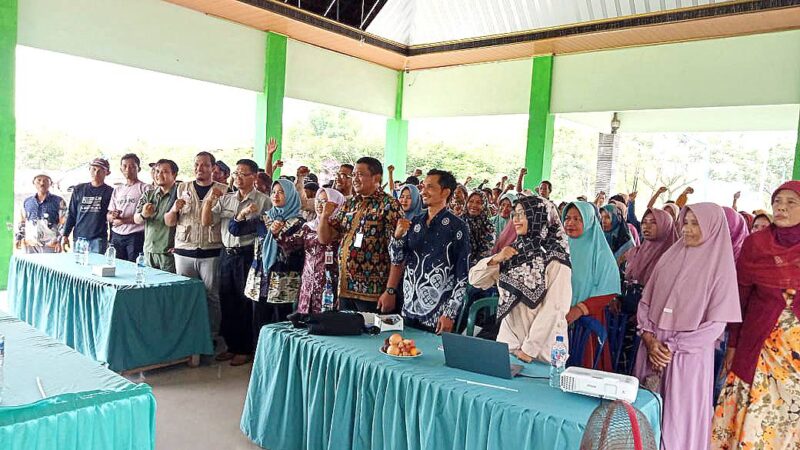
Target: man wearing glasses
[(235, 259), (366, 223), (344, 181)]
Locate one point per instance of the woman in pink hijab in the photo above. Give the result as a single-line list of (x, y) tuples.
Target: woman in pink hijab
[(737, 225), (689, 299)]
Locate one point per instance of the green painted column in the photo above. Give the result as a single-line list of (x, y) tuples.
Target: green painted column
[(539, 150), (269, 105), (796, 170), (8, 129), (396, 149)]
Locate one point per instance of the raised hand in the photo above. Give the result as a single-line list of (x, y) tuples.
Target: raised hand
[(661, 190), (179, 204), (632, 196), (148, 210), (505, 254), (303, 171), (272, 146), (276, 227), (737, 195), (390, 169), (216, 193), (330, 207), (523, 171), (279, 163), (688, 190), (402, 228)]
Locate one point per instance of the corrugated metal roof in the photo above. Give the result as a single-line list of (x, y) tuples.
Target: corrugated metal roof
[(419, 22)]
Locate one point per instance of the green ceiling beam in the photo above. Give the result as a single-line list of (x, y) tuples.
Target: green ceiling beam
[(539, 149), (269, 104), (396, 149), (8, 128)]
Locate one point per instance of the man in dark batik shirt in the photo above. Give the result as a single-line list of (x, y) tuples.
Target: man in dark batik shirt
[(435, 250)]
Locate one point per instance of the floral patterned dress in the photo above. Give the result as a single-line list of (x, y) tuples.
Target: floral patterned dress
[(764, 415), (314, 267)]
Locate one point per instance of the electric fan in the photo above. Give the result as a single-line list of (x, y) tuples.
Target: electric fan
[(618, 426)]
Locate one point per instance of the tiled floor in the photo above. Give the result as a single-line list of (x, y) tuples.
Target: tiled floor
[(197, 408)]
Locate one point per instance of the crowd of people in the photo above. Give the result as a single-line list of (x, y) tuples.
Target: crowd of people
[(709, 291)]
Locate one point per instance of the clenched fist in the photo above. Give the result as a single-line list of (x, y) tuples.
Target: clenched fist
[(402, 228)]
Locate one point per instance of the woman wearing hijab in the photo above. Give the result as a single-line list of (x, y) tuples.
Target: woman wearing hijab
[(688, 301), (659, 233), (761, 221), (481, 230), (320, 260), (503, 216), (737, 226), (616, 232), (595, 275), (632, 228), (533, 276), (410, 200), (280, 280), (759, 406)]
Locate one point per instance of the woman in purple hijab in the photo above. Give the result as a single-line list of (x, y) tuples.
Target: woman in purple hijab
[(737, 225), (690, 297)]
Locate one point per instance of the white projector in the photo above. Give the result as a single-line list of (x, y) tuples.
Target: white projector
[(596, 383)]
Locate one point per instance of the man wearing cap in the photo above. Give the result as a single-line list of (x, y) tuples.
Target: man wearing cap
[(88, 206), (42, 215), (221, 173), (159, 238), (127, 236)]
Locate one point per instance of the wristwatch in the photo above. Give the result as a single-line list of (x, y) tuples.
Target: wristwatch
[(391, 291)]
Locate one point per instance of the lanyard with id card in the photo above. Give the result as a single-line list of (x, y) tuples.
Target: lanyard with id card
[(359, 239)]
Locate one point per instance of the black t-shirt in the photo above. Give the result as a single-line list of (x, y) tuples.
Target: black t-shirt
[(202, 191), (87, 211)]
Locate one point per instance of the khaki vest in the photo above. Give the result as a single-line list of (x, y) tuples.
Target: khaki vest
[(189, 233)]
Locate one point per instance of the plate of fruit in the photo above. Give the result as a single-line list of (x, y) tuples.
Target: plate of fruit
[(396, 346)]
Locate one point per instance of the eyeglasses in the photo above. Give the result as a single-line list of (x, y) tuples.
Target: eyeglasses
[(343, 175), (242, 175), (518, 215)]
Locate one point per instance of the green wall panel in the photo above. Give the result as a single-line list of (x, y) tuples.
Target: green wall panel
[(8, 44)]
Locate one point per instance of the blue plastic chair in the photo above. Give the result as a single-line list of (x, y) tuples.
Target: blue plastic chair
[(488, 302), (616, 325), (579, 335)]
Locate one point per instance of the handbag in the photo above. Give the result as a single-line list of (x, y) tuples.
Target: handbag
[(284, 287), (335, 323), (252, 286)]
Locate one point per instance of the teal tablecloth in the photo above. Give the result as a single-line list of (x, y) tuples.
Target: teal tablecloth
[(87, 407), (111, 319), (322, 392)]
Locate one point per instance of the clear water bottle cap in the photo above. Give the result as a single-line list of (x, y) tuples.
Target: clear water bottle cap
[(559, 338)]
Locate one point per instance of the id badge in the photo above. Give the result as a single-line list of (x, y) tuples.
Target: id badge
[(329, 258), (359, 240)]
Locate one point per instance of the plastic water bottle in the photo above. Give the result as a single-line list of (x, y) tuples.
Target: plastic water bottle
[(85, 252), (111, 256), (558, 360), (327, 294), (2, 362), (77, 249), (140, 265)]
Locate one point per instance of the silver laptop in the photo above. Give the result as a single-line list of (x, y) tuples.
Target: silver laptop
[(478, 355)]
